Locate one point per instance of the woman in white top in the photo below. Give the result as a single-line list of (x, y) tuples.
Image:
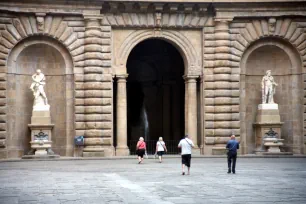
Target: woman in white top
[(160, 148)]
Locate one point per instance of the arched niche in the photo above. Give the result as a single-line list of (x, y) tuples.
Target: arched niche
[(283, 60), (55, 62)]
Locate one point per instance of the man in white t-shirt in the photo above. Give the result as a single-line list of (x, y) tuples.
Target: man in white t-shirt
[(186, 145)]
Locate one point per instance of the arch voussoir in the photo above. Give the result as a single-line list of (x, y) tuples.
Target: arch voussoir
[(23, 27), (188, 52)]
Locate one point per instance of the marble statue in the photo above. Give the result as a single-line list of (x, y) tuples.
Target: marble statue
[(37, 86), (268, 88)]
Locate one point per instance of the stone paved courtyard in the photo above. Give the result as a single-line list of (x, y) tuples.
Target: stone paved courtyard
[(258, 180)]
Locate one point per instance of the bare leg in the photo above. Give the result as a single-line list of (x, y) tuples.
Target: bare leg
[(188, 171), (183, 171), (139, 159), (45, 98), (263, 96), (41, 89), (160, 159), (32, 87), (36, 94)]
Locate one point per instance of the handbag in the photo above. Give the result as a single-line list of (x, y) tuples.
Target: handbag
[(165, 150), (137, 150)]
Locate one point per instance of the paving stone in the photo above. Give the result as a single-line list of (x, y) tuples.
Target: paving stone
[(258, 180), (8, 200)]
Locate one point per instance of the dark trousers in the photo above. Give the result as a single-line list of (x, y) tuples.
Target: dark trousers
[(231, 156)]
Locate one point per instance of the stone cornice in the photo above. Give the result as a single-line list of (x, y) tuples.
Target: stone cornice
[(91, 2), (158, 14), (245, 7)]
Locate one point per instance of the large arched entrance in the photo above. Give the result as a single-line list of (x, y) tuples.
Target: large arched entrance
[(155, 94)]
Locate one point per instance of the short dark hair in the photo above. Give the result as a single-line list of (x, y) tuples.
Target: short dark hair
[(186, 135)]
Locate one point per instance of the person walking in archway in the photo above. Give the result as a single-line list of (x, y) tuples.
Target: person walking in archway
[(160, 149), (140, 149), (232, 146), (186, 145)]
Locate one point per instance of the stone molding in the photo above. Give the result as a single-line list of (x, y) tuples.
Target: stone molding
[(192, 60), (190, 78), (153, 20), (147, 7), (121, 78)]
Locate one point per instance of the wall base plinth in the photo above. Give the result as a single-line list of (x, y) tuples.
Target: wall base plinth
[(196, 151), (3, 154), (54, 156), (219, 150), (122, 151), (93, 154)]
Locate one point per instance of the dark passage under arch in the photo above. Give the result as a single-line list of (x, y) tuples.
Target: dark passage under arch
[(155, 92)]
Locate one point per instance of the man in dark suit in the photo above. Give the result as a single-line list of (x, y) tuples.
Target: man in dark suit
[(232, 146)]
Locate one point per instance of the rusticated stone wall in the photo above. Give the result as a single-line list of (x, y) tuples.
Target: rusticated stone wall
[(67, 31), (225, 42), (97, 91), (87, 42), (229, 33), (221, 88)]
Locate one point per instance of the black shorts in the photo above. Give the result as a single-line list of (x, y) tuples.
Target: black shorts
[(186, 158), (160, 153), (140, 152)]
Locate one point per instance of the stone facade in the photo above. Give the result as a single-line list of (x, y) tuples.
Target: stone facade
[(83, 48)]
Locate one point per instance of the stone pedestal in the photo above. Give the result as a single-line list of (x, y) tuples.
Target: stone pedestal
[(268, 113), (41, 135), (273, 144), (267, 117)]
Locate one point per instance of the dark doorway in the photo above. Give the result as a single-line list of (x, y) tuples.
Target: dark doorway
[(155, 92)]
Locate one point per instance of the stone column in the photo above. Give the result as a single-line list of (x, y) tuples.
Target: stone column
[(122, 148), (3, 124), (186, 107), (191, 105), (225, 90), (97, 90)]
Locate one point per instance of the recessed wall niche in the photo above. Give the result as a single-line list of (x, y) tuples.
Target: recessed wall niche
[(53, 60)]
